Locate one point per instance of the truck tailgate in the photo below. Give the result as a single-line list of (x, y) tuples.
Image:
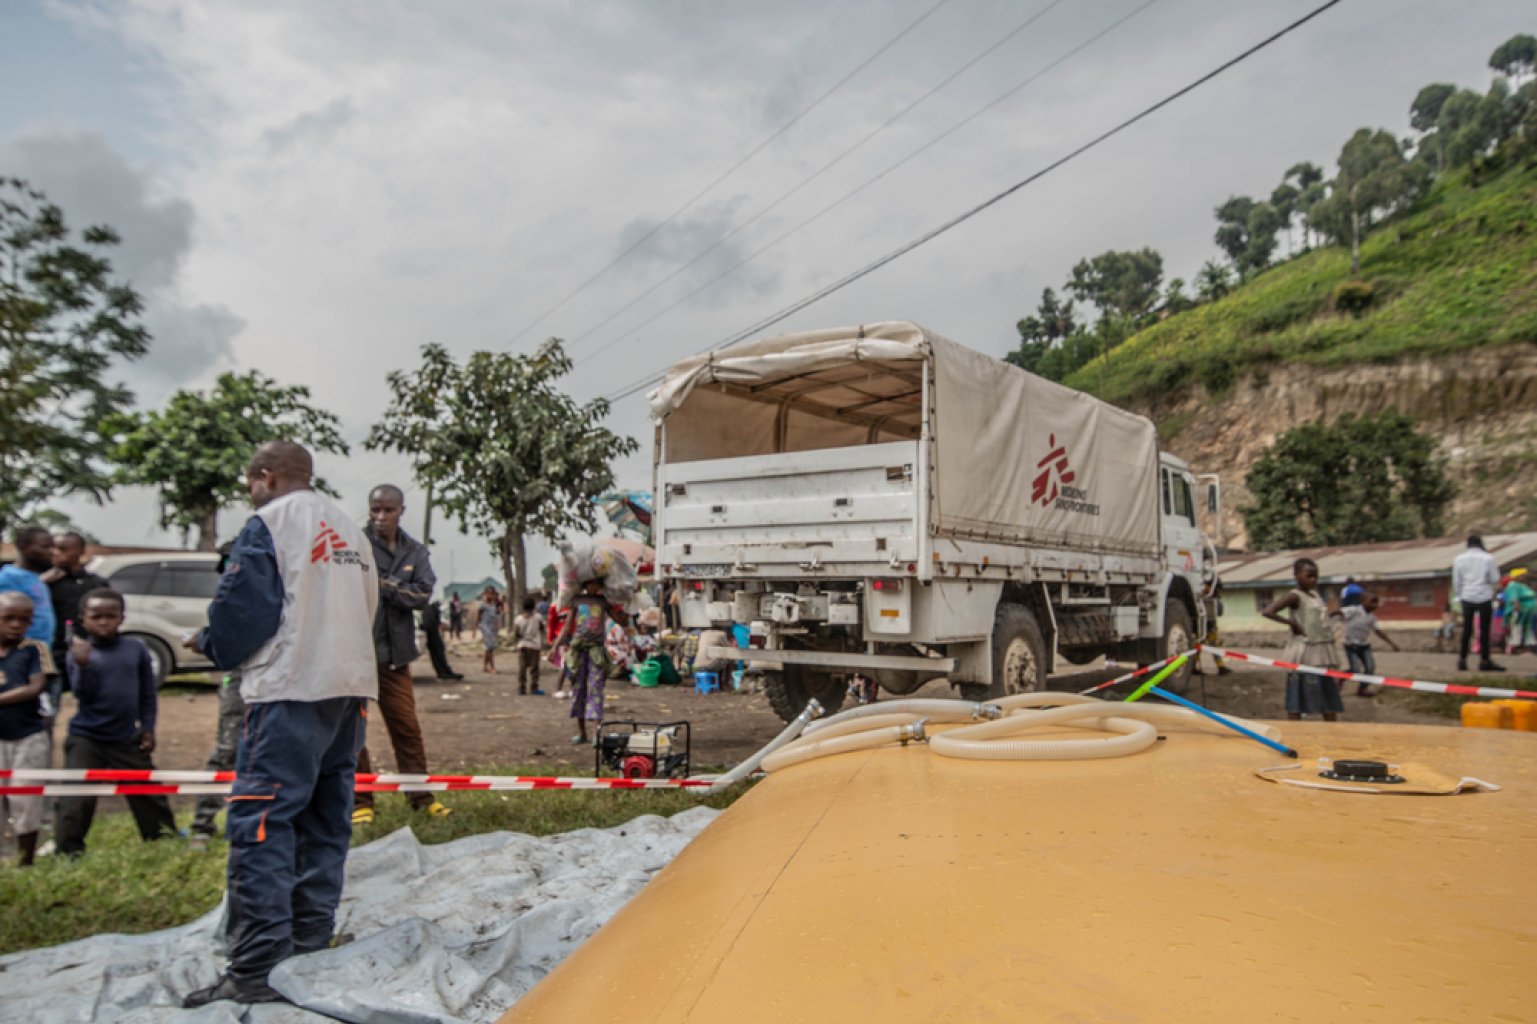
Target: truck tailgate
[(858, 504)]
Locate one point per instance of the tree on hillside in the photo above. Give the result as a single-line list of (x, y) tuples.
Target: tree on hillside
[(1516, 57), (1246, 232), (64, 320), (1174, 298), (506, 452), (1375, 179), (1363, 480), (1425, 117), (195, 451), (1308, 179), (1213, 281), (1283, 199), (1119, 284), (1041, 336)]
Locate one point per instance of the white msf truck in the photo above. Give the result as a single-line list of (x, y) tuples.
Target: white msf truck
[(879, 501)]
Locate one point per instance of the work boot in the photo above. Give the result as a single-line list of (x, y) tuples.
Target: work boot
[(1462, 664), (235, 991), (1488, 666)]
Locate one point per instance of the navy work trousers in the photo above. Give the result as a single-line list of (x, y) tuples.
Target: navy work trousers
[(289, 824)]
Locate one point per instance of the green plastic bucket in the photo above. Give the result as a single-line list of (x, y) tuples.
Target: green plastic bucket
[(647, 673)]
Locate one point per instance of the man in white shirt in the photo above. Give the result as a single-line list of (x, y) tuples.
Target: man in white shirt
[(1475, 575)]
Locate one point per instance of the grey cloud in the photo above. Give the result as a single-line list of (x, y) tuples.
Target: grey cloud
[(323, 121), (689, 236), (93, 184)]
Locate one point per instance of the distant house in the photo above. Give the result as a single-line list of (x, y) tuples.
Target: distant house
[(471, 591), (1413, 578)]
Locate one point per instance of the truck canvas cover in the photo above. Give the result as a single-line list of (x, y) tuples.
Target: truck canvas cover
[(1013, 458)]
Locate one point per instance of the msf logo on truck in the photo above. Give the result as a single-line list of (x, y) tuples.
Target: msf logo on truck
[(1053, 483)]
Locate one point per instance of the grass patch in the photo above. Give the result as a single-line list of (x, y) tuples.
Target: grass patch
[(1457, 272), (124, 885)]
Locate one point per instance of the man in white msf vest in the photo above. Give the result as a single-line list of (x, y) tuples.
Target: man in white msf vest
[(294, 613)]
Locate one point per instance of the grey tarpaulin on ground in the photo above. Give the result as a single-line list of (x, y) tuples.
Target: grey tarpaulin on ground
[(451, 933)]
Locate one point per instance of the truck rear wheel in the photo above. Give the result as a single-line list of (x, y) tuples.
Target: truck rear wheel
[(1178, 638), (1019, 654), (790, 689)]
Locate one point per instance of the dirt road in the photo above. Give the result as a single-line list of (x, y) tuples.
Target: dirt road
[(482, 721)]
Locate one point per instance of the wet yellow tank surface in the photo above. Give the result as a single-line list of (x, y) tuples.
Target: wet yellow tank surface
[(1170, 885)]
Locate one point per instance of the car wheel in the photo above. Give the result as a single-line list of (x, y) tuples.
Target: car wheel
[(160, 657), (1019, 652), (790, 689), (1178, 637)]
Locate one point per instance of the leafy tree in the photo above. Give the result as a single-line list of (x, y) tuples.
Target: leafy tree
[(1174, 298), (1246, 232), (1425, 118), (63, 322), (1425, 111), (195, 451), (1284, 199), (1469, 125), (1363, 480), (506, 452), (1120, 284), (1044, 332), (1516, 56), (1375, 179), (549, 578), (1213, 282)]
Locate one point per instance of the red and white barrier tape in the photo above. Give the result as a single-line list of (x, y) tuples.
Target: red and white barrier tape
[(1135, 673), (1459, 689), (110, 782)]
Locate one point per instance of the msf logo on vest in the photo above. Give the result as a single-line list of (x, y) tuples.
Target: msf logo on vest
[(327, 545), (1053, 483)]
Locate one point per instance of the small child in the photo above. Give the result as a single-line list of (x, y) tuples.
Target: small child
[(1312, 643), (586, 662), (1360, 624), (113, 681), (529, 630), (23, 731), (489, 621)]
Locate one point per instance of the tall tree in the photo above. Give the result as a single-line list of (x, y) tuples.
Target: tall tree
[(1425, 116), (1213, 281), (1362, 480), (1516, 56), (1120, 284), (1283, 199), (64, 321), (1375, 179), (1041, 334), (194, 452), (507, 453), (1246, 232)]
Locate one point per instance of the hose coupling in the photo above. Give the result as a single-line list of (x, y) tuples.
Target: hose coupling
[(814, 709), (987, 711), (913, 733)]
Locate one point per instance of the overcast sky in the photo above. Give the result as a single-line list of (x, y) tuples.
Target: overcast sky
[(315, 189)]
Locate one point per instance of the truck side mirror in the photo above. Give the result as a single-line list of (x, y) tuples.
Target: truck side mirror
[(1211, 498)]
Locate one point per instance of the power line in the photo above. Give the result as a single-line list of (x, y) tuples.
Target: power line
[(728, 172), (967, 66), (930, 235), (931, 143)]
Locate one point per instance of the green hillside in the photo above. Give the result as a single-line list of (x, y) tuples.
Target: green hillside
[(1457, 271)]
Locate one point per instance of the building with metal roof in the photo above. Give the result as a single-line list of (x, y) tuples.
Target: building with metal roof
[(1412, 578)]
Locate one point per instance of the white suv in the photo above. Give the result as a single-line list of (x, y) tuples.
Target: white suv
[(167, 596)]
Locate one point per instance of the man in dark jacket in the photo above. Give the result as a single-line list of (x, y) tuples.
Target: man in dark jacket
[(405, 584)]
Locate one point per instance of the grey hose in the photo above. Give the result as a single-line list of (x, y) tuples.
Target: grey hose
[(813, 709)]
